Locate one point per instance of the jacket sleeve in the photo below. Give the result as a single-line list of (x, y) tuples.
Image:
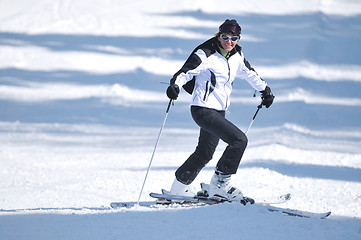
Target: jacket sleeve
[(190, 69), (247, 72)]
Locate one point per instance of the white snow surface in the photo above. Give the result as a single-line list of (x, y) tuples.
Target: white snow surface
[(82, 102)]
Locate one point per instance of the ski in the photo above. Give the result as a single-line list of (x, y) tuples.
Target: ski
[(163, 201), (298, 213), (162, 197), (167, 198)]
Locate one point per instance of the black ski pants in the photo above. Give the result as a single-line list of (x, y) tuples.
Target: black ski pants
[(214, 126)]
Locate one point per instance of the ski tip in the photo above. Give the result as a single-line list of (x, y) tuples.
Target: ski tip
[(286, 197), (326, 215), (165, 191)]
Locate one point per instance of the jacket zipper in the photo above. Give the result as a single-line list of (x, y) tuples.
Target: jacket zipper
[(229, 77)]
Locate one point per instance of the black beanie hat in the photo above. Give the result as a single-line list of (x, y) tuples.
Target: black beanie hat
[(230, 26)]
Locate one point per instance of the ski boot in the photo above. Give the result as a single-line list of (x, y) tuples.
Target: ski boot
[(221, 190), (181, 189)]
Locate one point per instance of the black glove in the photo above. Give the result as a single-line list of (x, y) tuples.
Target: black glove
[(173, 91), (267, 97)]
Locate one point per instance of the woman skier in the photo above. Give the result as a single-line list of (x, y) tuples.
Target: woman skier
[(208, 75)]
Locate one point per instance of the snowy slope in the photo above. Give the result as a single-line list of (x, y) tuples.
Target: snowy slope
[(82, 102)]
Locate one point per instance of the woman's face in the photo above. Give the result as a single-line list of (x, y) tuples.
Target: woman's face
[(228, 44)]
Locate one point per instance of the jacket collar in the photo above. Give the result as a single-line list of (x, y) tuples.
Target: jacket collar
[(217, 45)]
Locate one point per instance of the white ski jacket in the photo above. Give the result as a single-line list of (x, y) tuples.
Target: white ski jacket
[(209, 76)]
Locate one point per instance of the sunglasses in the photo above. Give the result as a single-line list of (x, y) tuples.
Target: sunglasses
[(226, 38)]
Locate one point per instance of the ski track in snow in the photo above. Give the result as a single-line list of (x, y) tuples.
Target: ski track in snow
[(81, 101)]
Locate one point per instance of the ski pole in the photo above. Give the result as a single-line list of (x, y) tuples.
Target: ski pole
[(250, 125), (155, 147)]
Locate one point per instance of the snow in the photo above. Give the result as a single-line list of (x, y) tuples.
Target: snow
[(82, 101)]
